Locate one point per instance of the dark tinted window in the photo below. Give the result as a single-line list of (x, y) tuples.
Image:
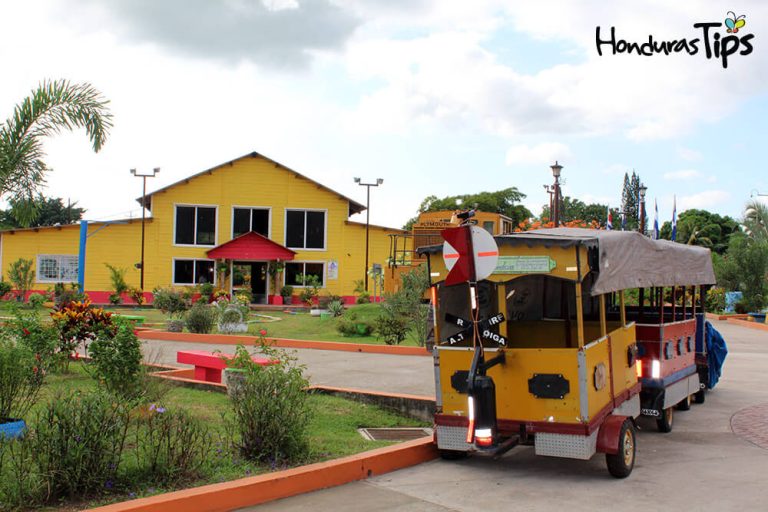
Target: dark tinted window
[(294, 234), (203, 271), (315, 230), (206, 226), (260, 222), (184, 271), (293, 273), (242, 222), (185, 224), (314, 269)]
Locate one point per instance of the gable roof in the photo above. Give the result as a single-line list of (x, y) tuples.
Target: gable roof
[(251, 246), (354, 206)]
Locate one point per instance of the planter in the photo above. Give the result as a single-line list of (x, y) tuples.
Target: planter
[(174, 325), (758, 317), (234, 379), (317, 311), (277, 300), (232, 327), (12, 428)]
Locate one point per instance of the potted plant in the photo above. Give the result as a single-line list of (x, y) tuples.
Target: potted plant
[(310, 292), (173, 304), (287, 294), (275, 269), (20, 384)]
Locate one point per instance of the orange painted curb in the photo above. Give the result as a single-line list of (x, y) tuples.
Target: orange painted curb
[(714, 316), (752, 325), (282, 484), (372, 393), (229, 339)]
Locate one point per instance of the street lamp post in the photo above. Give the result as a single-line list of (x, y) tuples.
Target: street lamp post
[(641, 193), (368, 186), (554, 192), (143, 175)]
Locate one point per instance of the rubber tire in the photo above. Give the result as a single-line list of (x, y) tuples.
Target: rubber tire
[(666, 422), (453, 454), (617, 463), (700, 396), (685, 404)]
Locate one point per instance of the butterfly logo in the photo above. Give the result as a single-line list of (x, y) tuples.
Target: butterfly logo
[(735, 23)]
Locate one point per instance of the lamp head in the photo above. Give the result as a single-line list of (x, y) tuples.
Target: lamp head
[(556, 168), (379, 181), (357, 180), (642, 190)]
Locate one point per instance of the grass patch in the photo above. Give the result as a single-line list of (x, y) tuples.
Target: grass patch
[(333, 432)]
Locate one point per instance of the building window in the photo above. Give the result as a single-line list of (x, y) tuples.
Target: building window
[(488, 226), (193, 272), (195, 225), (296, 272), (305, 229), (56, 268), (245, 220)]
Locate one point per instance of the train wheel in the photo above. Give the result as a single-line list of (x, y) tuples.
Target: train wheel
[(452, 454), (685, 404), (620, 464), (699, 397), (664, 423)]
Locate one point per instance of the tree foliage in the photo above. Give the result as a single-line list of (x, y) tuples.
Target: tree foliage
[(630, 202), (52, 107), (574, 210), (703, 228), (505, 202), (49, 211)]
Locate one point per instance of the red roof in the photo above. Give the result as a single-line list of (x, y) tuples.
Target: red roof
[(251, 246)]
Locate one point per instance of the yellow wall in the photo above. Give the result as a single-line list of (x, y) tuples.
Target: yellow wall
[(248, 182)]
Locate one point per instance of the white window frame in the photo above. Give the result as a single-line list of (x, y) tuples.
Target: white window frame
[(269, 220), (325, 272), (215, 227), (325, 228), (58, 258), (194, 269)]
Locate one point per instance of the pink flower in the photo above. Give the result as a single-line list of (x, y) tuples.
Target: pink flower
[(263, 332)]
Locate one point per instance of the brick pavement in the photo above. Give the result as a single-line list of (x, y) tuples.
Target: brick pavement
[(751, 424)]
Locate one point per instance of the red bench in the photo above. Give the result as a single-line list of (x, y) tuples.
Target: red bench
[(208, 365)]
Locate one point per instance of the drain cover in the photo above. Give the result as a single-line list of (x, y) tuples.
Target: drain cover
[(394, 434)]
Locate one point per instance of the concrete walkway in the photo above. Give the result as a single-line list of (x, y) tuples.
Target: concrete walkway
[(376, 372), (701, 465)]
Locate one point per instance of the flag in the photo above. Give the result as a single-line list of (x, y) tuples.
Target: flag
[(656, 220), (674, 218), (623, 221), (609, 221)]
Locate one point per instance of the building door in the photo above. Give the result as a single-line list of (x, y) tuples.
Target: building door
[(251, 276)]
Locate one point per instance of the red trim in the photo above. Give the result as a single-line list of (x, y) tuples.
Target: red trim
[(251, 246)]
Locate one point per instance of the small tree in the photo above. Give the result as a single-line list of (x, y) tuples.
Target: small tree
[(173, 304), (22, 276), (119, 286), (311, 289)]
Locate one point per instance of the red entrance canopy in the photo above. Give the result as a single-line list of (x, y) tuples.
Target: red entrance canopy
[(251, 246)]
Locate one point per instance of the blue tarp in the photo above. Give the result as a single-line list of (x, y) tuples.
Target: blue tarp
[(716, 352)]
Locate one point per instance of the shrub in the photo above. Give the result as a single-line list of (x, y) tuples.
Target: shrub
[(36, 300), (20, 379), (336, 308), (171, 302), (200, 319), (715, 301), (22, 276), (117, 361), (403, 312), (171, 446), (349, 325), (81, 323), (392, 329), (29, 331), (363, 297), (5, 288), (206, 292), (271, 412), (311, 288), (137, 294), (78, 443), (286, 292), (63, 295), (20, 482), (117, 277)]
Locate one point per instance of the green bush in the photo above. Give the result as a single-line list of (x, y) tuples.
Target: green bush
[(119, 286), (336, 308), (5, 288), (286, 292), (36, 300), (21, 485), (171, 446), (745, 268), (392, 329), (40, 338), (271, 412), (78, 443), (715, 300), (20, 379), (200, 319), (206, 292), (117, 361), (63, 295), (21, 275), (171, 302), (349, 325)]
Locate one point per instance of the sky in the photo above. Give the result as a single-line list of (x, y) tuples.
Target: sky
[(436, 97)]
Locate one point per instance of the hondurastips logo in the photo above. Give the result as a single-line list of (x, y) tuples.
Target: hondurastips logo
[(715, 45)]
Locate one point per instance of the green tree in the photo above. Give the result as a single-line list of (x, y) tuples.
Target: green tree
[(756, 220), (505, 202), (50, 211), (630, 194), (52, 107), (703, 228), (744, 268), (575, 209)]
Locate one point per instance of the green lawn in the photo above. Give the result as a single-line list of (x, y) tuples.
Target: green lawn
[(333, 429)]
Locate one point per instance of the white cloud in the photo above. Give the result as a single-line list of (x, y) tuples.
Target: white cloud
[(708, 200), (684, 174), (543, 153), (688, 154)]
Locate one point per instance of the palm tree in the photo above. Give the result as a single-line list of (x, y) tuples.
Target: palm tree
[(756, 220), (52, 107)]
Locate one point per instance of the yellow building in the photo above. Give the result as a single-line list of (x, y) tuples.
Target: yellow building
[(227, 225)]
